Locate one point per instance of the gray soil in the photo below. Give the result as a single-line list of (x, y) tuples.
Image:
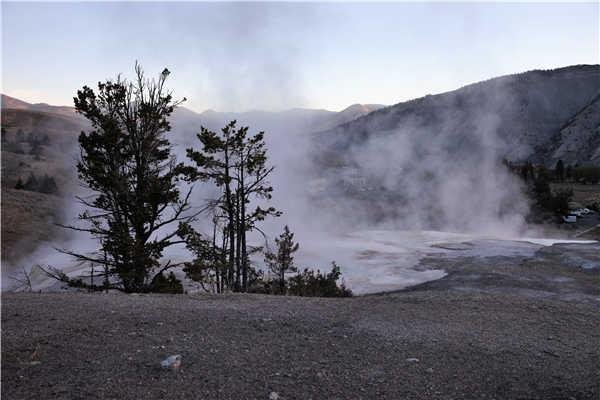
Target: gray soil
[(495, 328)]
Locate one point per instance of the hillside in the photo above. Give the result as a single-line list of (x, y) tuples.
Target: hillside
[(16, 104), (579, 139), (38, 142), (523, 114), (436, 161)]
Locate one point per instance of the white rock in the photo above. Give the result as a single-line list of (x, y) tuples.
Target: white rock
[(274, 396), (171, 362)]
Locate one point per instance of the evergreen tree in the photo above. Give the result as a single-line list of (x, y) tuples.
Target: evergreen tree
[(19, 185), (569, 172), (31, 138), (209, 265), (48, 185), (214, 162), (36, 150), (31, 183), (560, 170), (282, 260), (126, 161), (237, 164), (251, 174)]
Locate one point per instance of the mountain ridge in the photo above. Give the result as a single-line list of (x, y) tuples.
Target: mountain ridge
[(529, 94), (9, 102)]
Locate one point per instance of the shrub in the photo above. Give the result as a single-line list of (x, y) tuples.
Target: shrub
[(166, 284), (556, 202), (19, 185), (47, 185), (586, 175), (315, 284), (31, 183)]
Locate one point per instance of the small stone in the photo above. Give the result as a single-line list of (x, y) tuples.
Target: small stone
[(274, 396), (172, 362), (416, 360)]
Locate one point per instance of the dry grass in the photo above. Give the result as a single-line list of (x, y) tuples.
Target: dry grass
[(27, 220)]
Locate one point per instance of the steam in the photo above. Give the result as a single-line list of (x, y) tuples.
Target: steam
[(342, 189), (442, 170)]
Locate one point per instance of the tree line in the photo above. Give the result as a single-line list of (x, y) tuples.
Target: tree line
[(45, 184), (140, 208), (34, 142), (538, 180)]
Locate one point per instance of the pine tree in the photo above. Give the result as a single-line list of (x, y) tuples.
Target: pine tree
[(31, 183), (560, 170), (48, 185), (19, 185), (214, 162), (126, 161), (282, 261), (251, 175), (237, 164), (36, 150), (20, 136)]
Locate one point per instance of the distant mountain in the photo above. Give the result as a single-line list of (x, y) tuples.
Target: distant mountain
[(16, 104), (11, 102), (537, 116), (293, 121), (43, 117)]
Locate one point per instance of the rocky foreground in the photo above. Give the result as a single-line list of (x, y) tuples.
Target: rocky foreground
[(495, 328)]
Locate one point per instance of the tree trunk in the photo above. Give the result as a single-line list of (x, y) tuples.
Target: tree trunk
[(223, 261), (243, 232), (231, 215), (238, 218), (214, 257), (282, 280)]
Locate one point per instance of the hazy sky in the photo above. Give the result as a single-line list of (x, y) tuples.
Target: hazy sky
[(240, 56)]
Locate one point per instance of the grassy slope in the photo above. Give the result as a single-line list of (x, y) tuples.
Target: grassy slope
[(28, 218)]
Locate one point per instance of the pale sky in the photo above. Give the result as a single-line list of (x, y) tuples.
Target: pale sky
[(241, 56)]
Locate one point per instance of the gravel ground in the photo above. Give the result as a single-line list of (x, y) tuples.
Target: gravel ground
[(467, 336)]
